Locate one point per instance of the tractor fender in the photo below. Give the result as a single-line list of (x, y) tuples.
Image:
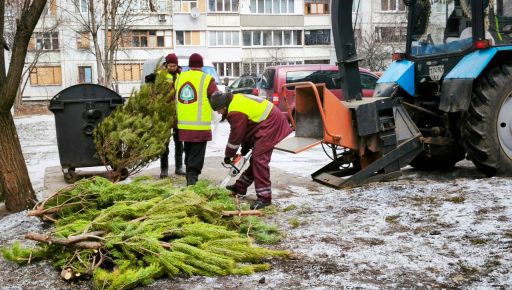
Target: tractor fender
[(457, 86), (399, 73)]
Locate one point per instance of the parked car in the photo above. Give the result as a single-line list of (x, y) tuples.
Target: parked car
[(245, 84), (274, 77), (151, 64)]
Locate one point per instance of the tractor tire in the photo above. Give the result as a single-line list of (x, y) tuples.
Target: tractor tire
[(487, 125)]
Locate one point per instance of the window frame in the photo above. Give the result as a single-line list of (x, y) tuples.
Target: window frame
[(256, 5), (56, 75)]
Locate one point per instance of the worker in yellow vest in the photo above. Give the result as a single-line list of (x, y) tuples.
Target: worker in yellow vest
[(193, 91), (258, 124), (173, 71)]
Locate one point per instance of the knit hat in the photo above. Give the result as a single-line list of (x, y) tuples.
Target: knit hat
[(219, 100), (171, 58), (195, 60)]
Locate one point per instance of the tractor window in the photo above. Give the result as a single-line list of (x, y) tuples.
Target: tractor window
[(500, 21), (440, 27)]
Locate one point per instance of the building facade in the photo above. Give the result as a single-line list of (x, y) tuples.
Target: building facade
[(238, 36)]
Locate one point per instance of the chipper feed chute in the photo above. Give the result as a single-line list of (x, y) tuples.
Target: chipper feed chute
[(371, 139)]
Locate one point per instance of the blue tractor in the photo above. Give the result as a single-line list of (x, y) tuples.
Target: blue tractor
[(448, 97)]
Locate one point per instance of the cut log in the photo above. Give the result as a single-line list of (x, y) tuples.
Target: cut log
[(66, 274), (242, 213), (76, 241)]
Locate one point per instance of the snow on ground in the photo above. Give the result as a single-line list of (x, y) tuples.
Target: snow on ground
[(425, 230)]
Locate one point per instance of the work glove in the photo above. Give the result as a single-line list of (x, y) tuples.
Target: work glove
[(150, 78), (227, 160), (245, 150)]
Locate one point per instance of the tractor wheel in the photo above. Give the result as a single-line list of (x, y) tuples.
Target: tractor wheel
[(487, 126)]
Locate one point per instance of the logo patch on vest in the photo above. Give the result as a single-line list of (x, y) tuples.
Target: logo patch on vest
[(187, 94)]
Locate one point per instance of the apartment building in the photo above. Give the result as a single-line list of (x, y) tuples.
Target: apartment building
[(238, 36)]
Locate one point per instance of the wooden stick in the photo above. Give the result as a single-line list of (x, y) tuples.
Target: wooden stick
[(76, 241), (242, 213)]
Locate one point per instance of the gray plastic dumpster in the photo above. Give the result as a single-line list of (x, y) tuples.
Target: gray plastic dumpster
[(78, 110)]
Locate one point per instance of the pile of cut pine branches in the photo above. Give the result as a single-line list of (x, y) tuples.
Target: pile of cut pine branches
[(123, 235)]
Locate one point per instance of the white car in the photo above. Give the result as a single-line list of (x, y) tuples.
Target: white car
[(151, 64)]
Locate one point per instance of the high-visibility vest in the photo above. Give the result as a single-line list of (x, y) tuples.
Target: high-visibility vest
[(169, 78), (192, 106), (257, 109)]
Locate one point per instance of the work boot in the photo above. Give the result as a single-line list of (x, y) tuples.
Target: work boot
[(164, 172), (260, 203), (180, 171), (191, 178), (164, 166), (234, 190)]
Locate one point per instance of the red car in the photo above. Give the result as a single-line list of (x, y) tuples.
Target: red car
[(274, 77)]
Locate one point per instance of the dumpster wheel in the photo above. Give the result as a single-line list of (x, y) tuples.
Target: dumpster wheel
[(70, 175)]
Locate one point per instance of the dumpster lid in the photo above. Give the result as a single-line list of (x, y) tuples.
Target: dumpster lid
[(83, 92)]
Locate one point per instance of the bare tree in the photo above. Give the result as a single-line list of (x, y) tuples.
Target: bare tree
[(108, 23), (375, 47), (14, 179)]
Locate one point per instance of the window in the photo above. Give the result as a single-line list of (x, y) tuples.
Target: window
[(272, 37), (392, 5), (82, 40), (224, 38), (356, 4), (317, 37), (139, 38), (184, 6), (317, 6), (162, 5), (53, 7), (81, 6), (320, 76), (45, 75), (128, 72), (46, 41), (227, 69), (188, 37), (391, 34), (223, 5), (145, 38), (84, 75), (272, 6)]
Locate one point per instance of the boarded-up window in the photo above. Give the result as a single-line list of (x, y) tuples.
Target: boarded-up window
[(188, 37), (45, 75), (202, 5), (53, 7), (128, 72), (145, 38), (82, 40), (184, 6), (316, 7)]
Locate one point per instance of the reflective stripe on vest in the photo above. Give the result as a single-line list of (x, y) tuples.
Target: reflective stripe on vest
[(257, 109), (192, 106)]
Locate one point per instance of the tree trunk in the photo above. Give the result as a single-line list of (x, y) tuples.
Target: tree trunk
[(14, 180)]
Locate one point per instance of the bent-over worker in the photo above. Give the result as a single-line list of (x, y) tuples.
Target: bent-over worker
[(256, 124)]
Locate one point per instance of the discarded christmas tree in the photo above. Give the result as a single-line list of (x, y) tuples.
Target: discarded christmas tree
[(125, 235), (136, 134)]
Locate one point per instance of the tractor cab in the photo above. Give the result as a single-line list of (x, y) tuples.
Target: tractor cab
[(442, 32)]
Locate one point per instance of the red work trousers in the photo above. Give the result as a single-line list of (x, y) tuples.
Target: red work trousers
[(259, 173)]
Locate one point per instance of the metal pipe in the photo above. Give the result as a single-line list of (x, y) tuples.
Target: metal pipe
[(418, 108)]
